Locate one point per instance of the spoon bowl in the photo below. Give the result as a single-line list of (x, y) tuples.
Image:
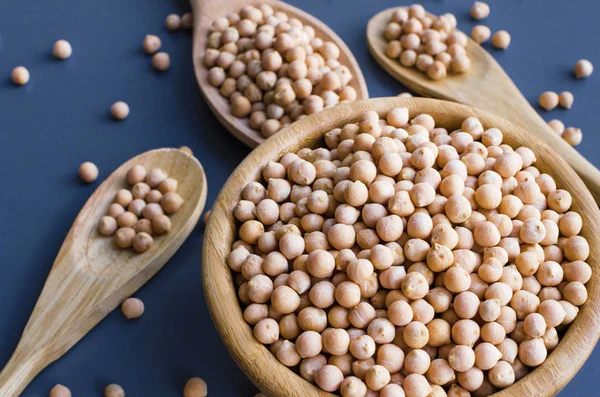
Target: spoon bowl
[(91, 276), (206, 11), (255, 359), (486, 86)]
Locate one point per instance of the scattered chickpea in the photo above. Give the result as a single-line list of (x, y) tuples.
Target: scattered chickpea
[(573, 136), (151, 44), (20, 75), (132, 308), (62, 49), (187, 20), (481, 33), (119, 110), (501, 39), (173, 22), (114, 390), (480, 10), (195, 387), (88, 172), (161, 61), (60, 391), (583, 69), (565, 99), (549, 100)]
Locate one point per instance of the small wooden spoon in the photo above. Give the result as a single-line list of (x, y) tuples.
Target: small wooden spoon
[(485, 86), (91, 276), (206, 11)]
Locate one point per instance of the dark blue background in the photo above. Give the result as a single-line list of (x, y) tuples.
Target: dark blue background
[(61, 119)]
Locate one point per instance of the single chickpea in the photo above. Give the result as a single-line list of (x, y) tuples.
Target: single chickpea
[(60, 391), (195, 387), (151, 44), (173, 22), (20, 75), (501, 39), (266, 331), (481, 33), (480, 10), (132, 308), (565, 99), (119, 110), (575, 292), (416, 385), (465, 332), (88, 172), (161, 61), (548, 100), (583, 69), (573, 136), (62, 49), (532, 352), (329, 378), (353, 387), (416, 335)]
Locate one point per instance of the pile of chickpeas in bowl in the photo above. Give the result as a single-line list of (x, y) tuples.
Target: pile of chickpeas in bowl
[(274, 69), (403, 259)]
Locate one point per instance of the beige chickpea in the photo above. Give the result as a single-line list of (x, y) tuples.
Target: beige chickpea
[(107, 225), (583, 69), (575, 292), (60, 391), (329, 378), (416, 335), (532, 352), (480, 33), (266, 331), (501, 39), (88, 172), (161, 61), (465, 332), (20, 75), (548, 100), (416, 385), (577, 271), (153, 196), (114, 390), (132, 308)]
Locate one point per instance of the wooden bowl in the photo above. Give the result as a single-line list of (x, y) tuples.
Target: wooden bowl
[(274, 378)]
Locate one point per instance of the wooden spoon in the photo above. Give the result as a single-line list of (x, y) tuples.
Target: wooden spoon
[(486, 86), (91, 276), (206, 11)]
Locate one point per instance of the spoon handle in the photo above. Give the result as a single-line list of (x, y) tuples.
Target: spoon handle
[(18, 372), (510, 103)]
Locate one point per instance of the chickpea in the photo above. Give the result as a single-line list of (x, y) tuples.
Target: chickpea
[(195, 387), (583, 69), (501, 39), (60, 391)]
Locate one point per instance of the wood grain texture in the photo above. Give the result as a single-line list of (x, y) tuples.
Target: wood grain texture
[(275, 379), (206, 11), (91, 276), (486, 86)]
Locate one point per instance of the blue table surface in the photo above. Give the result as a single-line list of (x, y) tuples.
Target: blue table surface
[(61, 119)]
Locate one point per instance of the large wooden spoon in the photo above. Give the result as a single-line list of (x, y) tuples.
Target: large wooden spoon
[(206, 11), (485, 86), (91, 276)]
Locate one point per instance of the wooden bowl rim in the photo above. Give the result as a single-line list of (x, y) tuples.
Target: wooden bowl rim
[(274, 378)]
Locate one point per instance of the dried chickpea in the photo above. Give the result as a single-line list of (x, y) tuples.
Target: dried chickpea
[(583, 69), (501, 39)]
